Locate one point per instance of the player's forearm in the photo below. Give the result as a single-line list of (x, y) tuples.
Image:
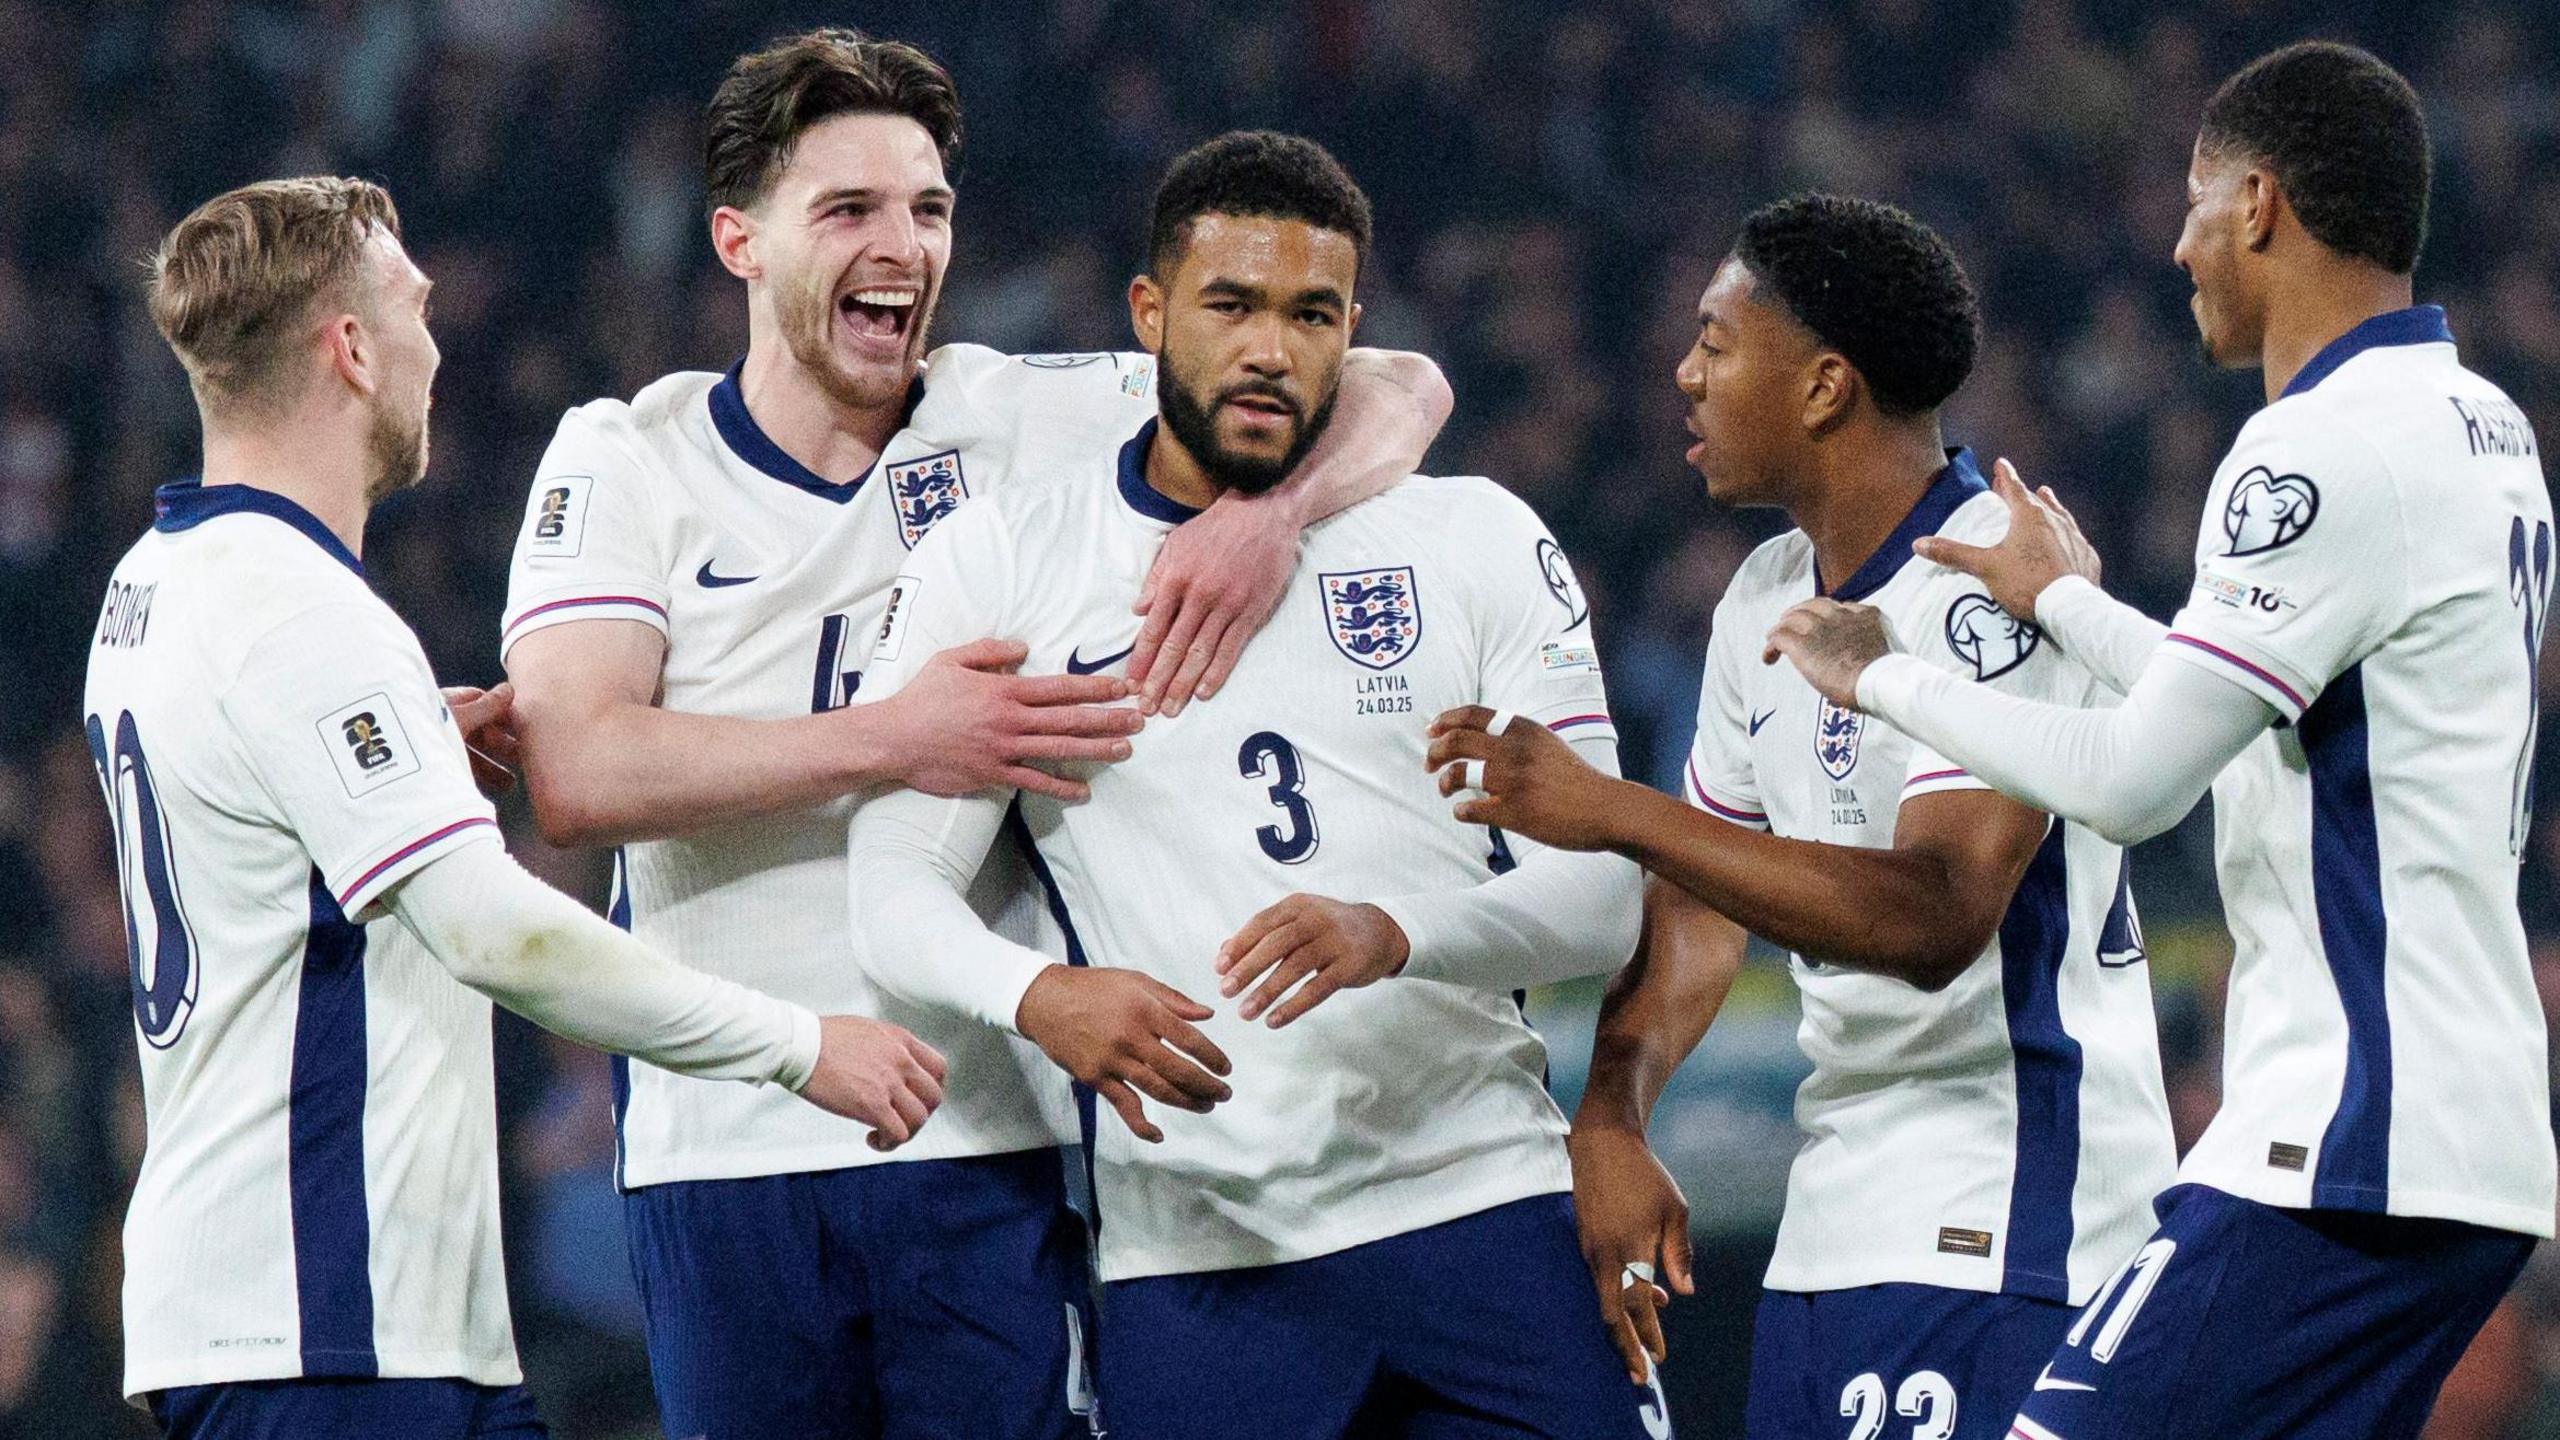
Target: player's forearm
[(1887, 912), (534, 950), (913, 931), (1390, 408), (2128, 773), (618, 772), (2111, 638), (1659, 1006), (1558, 916)]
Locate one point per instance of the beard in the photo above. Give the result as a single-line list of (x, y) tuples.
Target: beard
[(805, 307), (397, 447), (1194, 423)]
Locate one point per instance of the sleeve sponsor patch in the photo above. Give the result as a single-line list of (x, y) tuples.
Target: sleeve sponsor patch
[(893, 619), (367, 744), (558, 524), (1560, 659), (2267, 511)]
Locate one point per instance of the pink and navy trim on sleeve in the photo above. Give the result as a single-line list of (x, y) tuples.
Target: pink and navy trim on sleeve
[(396, 865), (1735, 813), (2259, 678), (585, 607)]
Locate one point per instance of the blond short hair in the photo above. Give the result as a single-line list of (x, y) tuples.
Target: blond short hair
[(234, 283)]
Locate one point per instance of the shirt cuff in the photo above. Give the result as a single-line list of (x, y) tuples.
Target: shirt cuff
[(1890, 685), (800, 1052), (1422, 918)]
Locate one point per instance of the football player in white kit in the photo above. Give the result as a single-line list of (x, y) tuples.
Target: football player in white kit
[(2354, 677), (699, 578), (313, 893), (1985, 1124), (1370, 1233)]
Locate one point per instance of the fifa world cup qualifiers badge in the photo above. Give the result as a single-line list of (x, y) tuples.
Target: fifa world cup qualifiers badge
[(1988, 638), (559, 519), (367, 744)]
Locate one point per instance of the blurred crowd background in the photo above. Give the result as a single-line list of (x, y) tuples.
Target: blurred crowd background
[(1553, 185)]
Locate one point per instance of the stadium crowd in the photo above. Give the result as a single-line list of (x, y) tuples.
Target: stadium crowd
[(1553, 186)]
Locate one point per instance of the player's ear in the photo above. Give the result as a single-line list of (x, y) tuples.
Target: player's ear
[(1351, 323), (1831, 387), (1146, 313), (350, 352), (733, 234), (2260, 200)]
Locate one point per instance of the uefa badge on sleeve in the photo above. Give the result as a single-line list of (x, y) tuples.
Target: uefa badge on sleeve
[(1373, 615), (924, 491)]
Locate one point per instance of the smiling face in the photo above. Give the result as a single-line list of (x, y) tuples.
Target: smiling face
[(1250, 329), (849, 244), (2219, 247), (1746, 379)]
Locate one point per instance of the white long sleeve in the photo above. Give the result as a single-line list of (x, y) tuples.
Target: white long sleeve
[(913, 859), (2128, 773), (2111, 638), (534, 950), (1557, 915)]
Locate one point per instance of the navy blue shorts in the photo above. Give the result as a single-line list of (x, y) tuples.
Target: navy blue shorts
[(333, 1409), (1481, 1327), (1895, 1361), (2240, 1320), (924, 1298)]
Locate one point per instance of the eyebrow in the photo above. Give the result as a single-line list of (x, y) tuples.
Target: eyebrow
[(1237, 289), (843, 193)]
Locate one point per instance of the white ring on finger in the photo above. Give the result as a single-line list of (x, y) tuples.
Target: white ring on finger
[(1471, 775), (1500, 722), (1634, 1271)]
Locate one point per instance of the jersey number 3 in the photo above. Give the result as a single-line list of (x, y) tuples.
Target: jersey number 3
[(164, 971), (1267, 755)]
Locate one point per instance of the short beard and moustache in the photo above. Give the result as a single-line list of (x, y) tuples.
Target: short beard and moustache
[(1194, 423), (398, 449), (806, 307)]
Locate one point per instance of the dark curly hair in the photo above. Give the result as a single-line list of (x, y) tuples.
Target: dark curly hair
[(2346, 140), (769, 99), (1254, 173), (1874, 284)]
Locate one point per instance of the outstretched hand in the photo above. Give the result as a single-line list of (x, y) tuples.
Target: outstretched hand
[(1526, 779), (2044, 544)]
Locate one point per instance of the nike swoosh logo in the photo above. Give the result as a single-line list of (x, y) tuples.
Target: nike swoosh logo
[(2045, 1381), (1760, 719), (708, 581), (1078, 665)]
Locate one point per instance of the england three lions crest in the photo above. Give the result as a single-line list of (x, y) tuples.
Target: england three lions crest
[(924, 491), (1373, 616), (1835, 739)]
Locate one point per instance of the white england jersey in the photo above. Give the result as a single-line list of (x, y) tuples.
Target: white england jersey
[(319, 1191), (2375, 563), (1387, 1109), (677, 511), (2007, 1133)]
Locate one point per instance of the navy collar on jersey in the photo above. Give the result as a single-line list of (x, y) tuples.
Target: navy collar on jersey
[(1956, 482), (748, 441), (186, 504), (2417, 325), (1144, 498)]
